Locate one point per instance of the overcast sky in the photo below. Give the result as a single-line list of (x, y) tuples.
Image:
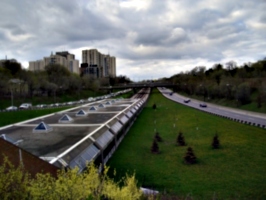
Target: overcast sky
[(150, 38)]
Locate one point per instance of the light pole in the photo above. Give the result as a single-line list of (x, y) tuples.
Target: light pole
[(54, 95), (202, 89), (13, 85), (20, 152), (11, 91), (228, 91)]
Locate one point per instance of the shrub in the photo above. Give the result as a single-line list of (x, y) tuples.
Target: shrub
[(189, 157), (154, 106), (180, 139), (157, 137), (215, 142), (155, 147)]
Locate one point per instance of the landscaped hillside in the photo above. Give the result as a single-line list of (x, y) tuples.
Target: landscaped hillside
[(236, 170)]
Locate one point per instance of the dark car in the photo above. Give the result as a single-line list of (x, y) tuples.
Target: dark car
[(171, 93), (203, 105), (186, 100)]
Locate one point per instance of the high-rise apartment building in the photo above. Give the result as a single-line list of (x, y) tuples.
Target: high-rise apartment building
[(101, 65), (62, 58), (112, 65), (37, 65)]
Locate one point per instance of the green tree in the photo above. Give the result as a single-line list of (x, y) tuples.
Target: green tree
[(13, 181), (31, 80), (90, 83), (4, 77), (58, 75), (75, 84), (243, 93), (13, 66)]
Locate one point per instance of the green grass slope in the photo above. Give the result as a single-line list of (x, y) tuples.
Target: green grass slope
[(7, 118), (235, 171)]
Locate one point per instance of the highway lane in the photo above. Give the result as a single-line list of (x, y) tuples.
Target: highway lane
[(247, 117)]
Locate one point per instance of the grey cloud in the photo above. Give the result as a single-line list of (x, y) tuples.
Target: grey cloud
[(152, 36), (223, 31), (14, 29)]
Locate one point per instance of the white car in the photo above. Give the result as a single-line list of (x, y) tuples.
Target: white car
[(41, 106), (70, 103), (25, 106), (11, 108), (81, 101)]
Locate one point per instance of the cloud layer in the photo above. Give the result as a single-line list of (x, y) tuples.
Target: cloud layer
[(150, 39)]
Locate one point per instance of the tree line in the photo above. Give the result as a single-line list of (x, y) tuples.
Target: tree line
[(54, 79), (229, 81)]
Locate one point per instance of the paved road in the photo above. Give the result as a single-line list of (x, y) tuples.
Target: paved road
[(247, 117)]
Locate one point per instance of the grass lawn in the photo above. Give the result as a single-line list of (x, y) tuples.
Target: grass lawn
[(7, 118), (235, 171)]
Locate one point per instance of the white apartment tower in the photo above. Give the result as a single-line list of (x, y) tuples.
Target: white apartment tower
[(102, 64), (112, 65), (62, 58)]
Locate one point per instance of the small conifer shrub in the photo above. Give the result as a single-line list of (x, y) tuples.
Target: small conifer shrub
[(154, 106), (215, 142), (180, 140), (190, 157), (155, 147), (157, 137)]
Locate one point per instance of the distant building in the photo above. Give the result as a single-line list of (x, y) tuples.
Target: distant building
[(113, 66), (97, 64), (62, 58), (91, 70)]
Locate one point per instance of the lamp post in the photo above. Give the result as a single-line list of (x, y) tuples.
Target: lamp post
[(11, 92), (54, 95), (13, 85), (228, 91), (20, 152), (203, 91)]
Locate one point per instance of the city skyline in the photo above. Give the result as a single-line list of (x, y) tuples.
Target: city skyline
[(150, 39), (93, 63)]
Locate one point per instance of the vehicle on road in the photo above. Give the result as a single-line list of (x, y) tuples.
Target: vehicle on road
[(81, 101), (171, 93), (186, 100), (25, 106), (41, 106), (70, 103), (90, 99), (203, 105), (11, 108)]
